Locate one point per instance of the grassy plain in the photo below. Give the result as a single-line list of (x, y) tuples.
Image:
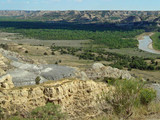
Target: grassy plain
[(156, 40)]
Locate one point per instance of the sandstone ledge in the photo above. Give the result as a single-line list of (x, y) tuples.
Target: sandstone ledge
[(80, 99)]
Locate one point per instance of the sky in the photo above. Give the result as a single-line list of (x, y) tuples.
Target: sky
[(80, 5)]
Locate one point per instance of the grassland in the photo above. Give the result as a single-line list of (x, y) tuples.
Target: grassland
[(133, 52), (112, 39), (156, 40)]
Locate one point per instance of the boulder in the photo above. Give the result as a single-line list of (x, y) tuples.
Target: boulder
[(97, 66), (2, 72), (80, 74), (6, 82)]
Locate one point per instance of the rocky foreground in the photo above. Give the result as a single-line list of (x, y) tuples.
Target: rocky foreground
[(67, 86), (80, 99), (74, 90)]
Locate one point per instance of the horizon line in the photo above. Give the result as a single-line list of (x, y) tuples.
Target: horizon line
[(82, 10)]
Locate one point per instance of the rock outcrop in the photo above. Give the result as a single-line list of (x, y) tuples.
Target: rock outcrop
[(3, 64), (3, 61), (22, 68), (2, 72), (80, 74), (80, 99), (6, 82), (99, 71)]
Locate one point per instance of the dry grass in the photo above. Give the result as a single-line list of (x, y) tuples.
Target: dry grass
[(36, 53), (153, 76), (152, 112)]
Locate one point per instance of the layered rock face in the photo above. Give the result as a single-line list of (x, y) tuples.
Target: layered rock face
[(80, 99)]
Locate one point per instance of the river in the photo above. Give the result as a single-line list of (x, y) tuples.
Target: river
[(146, 45)]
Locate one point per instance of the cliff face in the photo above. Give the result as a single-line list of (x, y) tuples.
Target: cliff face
[(80, 99)]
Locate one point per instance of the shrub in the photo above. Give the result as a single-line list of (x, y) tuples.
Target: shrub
[(147, 95), (45, 53), (37, 80), (26, 51), (53, 53), (60, 61), (109, 80), (4, 46), (124, 97), (48, 112)]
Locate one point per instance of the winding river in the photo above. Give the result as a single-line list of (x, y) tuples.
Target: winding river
[(146, 45)]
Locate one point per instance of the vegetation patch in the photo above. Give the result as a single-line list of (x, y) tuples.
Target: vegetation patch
[(129, 94), (110, 37), (48, 112), (156, 40)]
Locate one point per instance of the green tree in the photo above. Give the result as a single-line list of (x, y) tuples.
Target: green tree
[(37, 80)]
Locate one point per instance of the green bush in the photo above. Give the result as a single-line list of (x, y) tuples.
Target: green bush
[(123, 98), (147, 95), (109, 80), (45, 53), (37, 80), (48, 112)]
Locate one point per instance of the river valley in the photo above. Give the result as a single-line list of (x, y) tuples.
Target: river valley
[(146, 45)]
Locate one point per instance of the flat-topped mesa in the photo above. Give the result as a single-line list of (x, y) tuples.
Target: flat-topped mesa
[(72, 95)]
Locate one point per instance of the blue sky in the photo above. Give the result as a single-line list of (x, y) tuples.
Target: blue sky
[(79, 4)]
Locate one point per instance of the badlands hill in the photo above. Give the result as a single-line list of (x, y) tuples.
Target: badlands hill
[(84, 16)]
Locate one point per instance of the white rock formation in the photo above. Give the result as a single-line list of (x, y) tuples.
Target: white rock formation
[(6, 82), (98, 70)]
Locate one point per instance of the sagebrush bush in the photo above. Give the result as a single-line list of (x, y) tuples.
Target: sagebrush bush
[(37, 80), (147, 95), (124, 96), (109, 80), (48, 112)]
